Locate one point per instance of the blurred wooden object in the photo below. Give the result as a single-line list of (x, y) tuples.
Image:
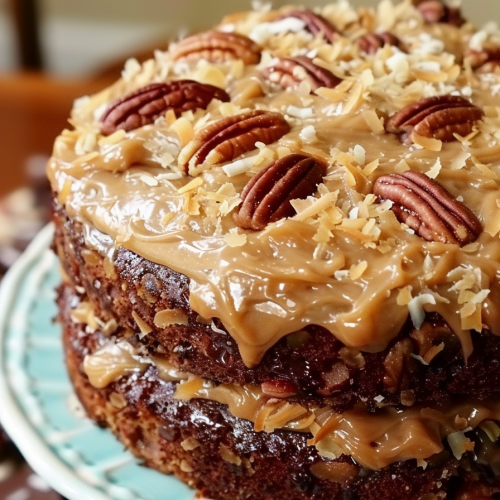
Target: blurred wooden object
[(34, 107), (25, 16), (33, 111)]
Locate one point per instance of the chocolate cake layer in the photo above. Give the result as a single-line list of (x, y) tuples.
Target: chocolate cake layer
[(225, 459)]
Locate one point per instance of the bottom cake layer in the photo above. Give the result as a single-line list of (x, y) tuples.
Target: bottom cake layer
[(224, 458)]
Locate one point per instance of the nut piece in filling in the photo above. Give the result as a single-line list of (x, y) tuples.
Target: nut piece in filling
[(230, 137), (315, 24), (266, 198), (435, 11), (427, 208), (373, 41), (485, 60)]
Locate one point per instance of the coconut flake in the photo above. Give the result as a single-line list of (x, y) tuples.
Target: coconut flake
[(239, 166), (169, 317), (398, 64), (301, 113), (419, 358), (131, 69), (359, 154), (86, 143), (234, 239), (308, 134), (459, 444), (477, 40), (428, 66), (427, 142), (260, 6), (416, 308), (429, 45), (149, 180), (341, 275), (262, 32), (143, 326), (358, 270), (404, 296), (191, 186), (466, 91), (435, 169)]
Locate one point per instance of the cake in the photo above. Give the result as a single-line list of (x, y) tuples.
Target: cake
[(281, 257)]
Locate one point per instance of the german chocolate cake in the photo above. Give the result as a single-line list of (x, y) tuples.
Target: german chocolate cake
[(281, 255)]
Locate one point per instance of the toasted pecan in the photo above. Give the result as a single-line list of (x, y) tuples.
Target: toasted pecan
[(428, 208), (438, 117), (289, 72), (266, 198), (143, 106), (230, 137), (217, 47)]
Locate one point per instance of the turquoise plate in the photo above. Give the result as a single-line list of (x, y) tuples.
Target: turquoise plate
[(39, 409)]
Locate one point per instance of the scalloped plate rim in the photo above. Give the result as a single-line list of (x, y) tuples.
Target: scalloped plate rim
[(34, 449)]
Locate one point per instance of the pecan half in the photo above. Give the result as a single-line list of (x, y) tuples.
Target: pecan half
[(289, 72), (484, 61), (266, 198), (314, 23), (143, 106), (371, 42), (217, 47), (428, 208), (434, 11), (436, 117), (230, 137)]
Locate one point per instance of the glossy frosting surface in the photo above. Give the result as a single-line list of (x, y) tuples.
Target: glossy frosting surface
[(344, 261)]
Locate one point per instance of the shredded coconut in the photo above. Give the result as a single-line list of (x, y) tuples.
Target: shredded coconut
[(131, 69), (301, 113), (477, 40), (308, 134), (416, 308), (239, 166), (263, 31)]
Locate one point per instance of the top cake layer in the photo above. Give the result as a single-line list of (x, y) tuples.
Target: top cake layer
[(337, 167)]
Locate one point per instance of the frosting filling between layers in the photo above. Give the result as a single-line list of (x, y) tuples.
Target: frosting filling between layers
[(373, 440)]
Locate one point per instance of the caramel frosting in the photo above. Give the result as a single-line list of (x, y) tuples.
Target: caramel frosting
[(373, 440), (118, 359), (343, 261)]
